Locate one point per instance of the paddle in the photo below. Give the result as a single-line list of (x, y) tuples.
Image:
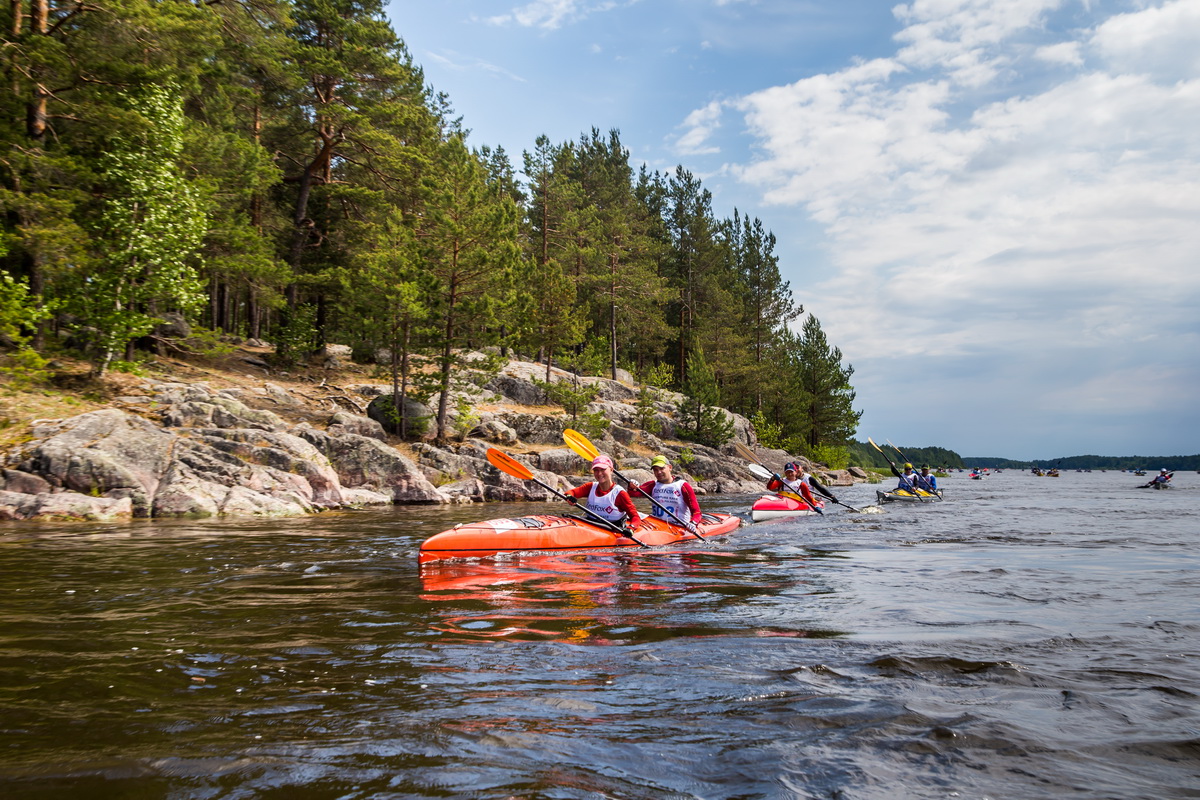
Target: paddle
[(507, 464), (584, 448), (748, 454), (763, 472), (892, 464), (930, 490)]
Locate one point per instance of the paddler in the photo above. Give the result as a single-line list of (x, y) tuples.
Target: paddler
[(809, 479), (1163, 476), (793, 481), (604, 497), (670, 494), (926, 481), (908, 480)]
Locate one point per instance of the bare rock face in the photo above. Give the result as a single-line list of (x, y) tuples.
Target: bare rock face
[(365, 463), (63, 506), (343, 422)]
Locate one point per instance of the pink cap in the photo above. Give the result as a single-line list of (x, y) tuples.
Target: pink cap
[(602, 461)]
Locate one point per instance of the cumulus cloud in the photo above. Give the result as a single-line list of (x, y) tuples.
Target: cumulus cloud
[(700, 126), (1002, 188)]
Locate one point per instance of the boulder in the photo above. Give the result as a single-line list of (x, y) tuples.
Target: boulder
[(23, 482), (536, 428), (63, 506), (366, 463), (344, 422), (562, 461), (102, 450)]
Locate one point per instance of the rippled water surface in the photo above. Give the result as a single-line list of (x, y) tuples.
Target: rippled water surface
[(1028, 638)]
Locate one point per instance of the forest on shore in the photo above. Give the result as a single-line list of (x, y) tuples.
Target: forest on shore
[(280, 170)]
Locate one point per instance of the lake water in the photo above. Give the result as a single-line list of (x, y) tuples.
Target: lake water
[(1028, 638)]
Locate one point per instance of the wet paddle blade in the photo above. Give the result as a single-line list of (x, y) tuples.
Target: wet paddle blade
[(580, 444), (746, 453), (508, 464), (760, 471)]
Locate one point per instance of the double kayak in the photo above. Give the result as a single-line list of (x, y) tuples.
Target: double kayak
[(543, 532), (905, 496), (777, 506)]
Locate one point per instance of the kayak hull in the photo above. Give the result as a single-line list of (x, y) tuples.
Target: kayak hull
[(774, 506), (543, 532), (898, 496)]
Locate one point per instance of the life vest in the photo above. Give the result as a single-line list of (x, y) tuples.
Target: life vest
[(669, 496), (605, 505)]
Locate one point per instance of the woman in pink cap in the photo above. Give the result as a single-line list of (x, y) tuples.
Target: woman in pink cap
[(604, 497)]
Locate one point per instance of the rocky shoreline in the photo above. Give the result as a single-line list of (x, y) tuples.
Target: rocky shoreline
[(189, 449)]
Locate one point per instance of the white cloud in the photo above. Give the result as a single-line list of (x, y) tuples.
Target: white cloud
[(700, 125), (552, 14), (1164, 41), (1066, 53), (1056, 218)]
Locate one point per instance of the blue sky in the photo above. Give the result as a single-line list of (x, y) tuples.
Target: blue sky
[(992, 206)]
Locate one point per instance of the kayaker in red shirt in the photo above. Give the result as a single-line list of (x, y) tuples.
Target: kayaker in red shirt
[(668, 492), (604, 497), (793, 481)]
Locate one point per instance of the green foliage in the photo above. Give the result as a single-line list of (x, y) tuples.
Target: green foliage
[(770, 434), (128, 367), (296, 339), (19, 315), (571, 395), (149, 230), (288, 164), (686, 456), (413, 427), (647, 409), (592, 359), (832, 456), (701, 418), (465, 418), (660, 376), (824, 386), (592, 424)]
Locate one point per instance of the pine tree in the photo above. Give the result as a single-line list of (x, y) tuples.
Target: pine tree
[(828, 396), (468, 237)]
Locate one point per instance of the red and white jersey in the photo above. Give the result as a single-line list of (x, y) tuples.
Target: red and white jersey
[(670, 497), (605, 505)]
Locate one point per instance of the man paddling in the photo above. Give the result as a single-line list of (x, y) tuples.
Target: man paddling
[(794, 482), (926, 481), (908, 479), (811, 480), (604, 497), (670, 494), (1162, 477)]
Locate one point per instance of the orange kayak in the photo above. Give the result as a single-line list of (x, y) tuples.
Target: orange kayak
[(545, 532)]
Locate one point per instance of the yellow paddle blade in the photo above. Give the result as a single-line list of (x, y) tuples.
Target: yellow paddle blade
[(508, 464), (872, 441), (580, 444)]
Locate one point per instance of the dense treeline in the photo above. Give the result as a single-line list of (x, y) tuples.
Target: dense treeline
[(1098, 462), (863, 455), (281, 170)]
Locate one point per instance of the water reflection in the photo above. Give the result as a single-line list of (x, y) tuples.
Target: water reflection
[(601, 599)]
